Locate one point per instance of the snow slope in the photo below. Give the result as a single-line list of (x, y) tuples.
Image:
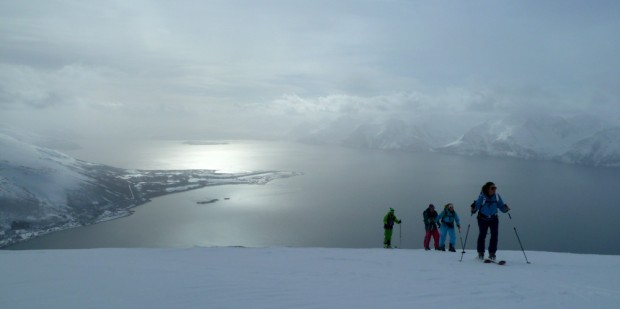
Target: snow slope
[(37, 171), (303, 278)]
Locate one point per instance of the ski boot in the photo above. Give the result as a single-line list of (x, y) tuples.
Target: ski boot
[(442, 248), (481, 256), (388, 245), (452, 249)]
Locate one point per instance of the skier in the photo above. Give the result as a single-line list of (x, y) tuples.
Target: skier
[(486, 205), (388, 225), (446, 220), (430, 224)]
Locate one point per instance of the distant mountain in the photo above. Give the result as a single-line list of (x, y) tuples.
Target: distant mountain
[(330, 132), (549, 135), (490, 139), (601, 149), (42, 190), (579, 139), (392, 134), (542, 138)]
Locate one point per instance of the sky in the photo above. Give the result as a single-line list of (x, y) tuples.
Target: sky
[(188, 69)]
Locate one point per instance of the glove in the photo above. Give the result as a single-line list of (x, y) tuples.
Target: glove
[(473, 209), (507, 208), (459, 226), (400, 221), (438, 225)]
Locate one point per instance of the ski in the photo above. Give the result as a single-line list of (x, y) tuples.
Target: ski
[(487, 261)]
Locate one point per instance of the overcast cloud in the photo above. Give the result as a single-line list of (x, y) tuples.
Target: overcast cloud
[(205, 67)]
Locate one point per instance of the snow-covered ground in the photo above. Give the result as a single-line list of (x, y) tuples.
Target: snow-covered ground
[(303, 278)]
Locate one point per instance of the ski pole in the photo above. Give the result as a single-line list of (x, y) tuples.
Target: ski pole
[(461, 238), (466, 234), (519, 239), (400, 234)]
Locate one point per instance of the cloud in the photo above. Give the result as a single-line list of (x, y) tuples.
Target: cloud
[(27, 87), (149, 61), (413, 102)]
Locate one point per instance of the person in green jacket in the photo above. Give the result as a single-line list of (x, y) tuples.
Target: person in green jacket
[(388, 225)]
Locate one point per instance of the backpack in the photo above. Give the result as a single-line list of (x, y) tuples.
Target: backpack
[(390, 221), (447, 214)]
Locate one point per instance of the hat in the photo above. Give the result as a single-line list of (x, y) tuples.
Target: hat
[(431, 205), (391, 209)]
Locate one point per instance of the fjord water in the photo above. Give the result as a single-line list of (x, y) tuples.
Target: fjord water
[(342, 196)]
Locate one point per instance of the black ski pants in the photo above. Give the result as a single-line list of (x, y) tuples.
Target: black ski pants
[(485, 224)]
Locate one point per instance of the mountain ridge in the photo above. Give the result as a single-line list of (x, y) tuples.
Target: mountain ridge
[(585, 140)]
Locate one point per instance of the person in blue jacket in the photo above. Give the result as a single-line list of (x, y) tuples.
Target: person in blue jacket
[(447, 219), (486, 205)]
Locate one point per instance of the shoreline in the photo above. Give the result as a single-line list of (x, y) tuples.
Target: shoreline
[(202, 179)]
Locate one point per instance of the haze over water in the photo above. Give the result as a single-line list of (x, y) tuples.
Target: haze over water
[(343, 195)]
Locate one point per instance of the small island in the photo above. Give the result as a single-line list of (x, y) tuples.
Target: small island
[(209, 201), (204, 143)]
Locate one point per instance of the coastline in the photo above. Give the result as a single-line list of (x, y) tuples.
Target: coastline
[(143, 186)]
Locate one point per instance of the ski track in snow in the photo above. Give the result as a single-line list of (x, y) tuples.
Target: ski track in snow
[(303, 278)]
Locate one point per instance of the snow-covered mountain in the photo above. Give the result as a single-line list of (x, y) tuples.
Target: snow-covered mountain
[(390, 134), (585, 140), (493, 138), (542, 138), (42, 190), (394, 134), (601, 149), (38, 185)]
